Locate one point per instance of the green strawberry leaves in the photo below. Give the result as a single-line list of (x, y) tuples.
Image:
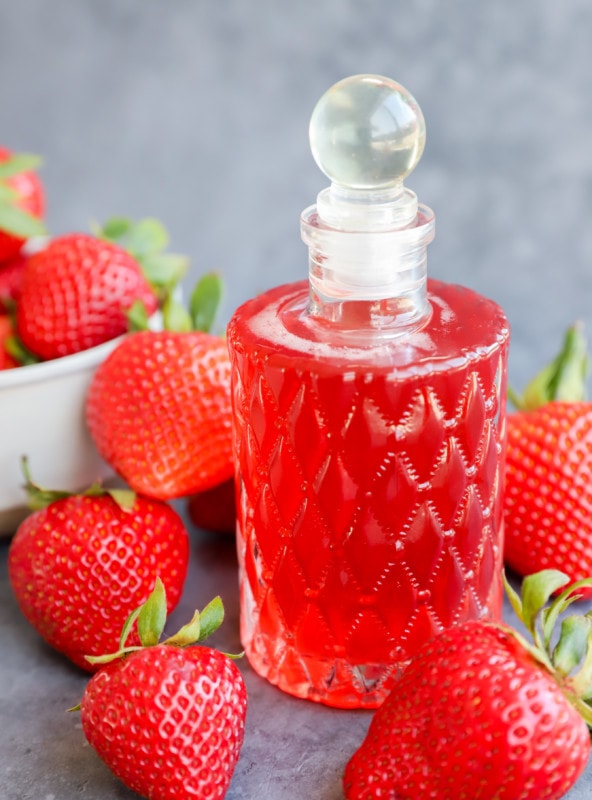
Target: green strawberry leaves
[(199, 316), (146, 241), (563, 379), (203, 306), (148, 236), (13, 219), (152, 616), (567, 655), (536, 591), (19, 162), (137, 317), (150, 619), (17, 350), (204, 302), (19, 223), (572, 645), (202, 625), (39, 497)]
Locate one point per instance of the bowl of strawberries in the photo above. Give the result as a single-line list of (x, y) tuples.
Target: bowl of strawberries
[(65, 303)]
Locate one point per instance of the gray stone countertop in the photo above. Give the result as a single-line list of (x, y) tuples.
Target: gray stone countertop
[(293, 750)]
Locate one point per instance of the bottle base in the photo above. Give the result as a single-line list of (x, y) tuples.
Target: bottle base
[(329, 681)]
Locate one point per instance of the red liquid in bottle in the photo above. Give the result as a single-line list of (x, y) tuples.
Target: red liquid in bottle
[(369, 488)]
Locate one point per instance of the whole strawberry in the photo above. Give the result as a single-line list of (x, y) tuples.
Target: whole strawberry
[(168, 719), (11, 278), (22, 202), (215, 509), (482, 714), (81, 563), (75, 294), (159, 411), (548, 499)]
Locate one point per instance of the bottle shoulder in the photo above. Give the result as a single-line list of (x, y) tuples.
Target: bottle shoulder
[(463, 325)]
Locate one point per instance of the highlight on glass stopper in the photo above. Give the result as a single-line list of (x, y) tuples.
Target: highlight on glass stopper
[(367, 132)]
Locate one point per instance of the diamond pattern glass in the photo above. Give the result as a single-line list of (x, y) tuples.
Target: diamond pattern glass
[(369, 485)]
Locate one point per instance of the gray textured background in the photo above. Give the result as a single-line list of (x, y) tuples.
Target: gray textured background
[(197, 113)]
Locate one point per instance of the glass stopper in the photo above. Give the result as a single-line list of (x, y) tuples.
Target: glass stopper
[(367, 132)]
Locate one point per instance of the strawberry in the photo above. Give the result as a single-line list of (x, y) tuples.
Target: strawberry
[(168, 719), (548, 498), (480, 713), (75, 294), (11, 278), (80, 563), (159, 410), (6, 360), (215, 509), (22, 202)]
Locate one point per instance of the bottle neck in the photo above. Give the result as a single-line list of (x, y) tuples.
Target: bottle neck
[(369, 279)]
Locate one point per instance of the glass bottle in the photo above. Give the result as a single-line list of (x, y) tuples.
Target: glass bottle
[(369, 416)]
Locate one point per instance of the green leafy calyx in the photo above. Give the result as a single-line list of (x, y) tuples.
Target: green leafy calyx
[(563, 379), (17, 351), (567, 654), (39, 497), (150, 620), (147, 241)]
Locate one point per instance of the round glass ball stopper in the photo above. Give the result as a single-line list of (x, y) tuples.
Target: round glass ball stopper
[(367, 132)]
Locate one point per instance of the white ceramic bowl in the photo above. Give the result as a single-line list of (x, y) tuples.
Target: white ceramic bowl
[(42, 416)]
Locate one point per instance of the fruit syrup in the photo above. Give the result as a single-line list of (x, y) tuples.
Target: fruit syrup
[(369, 436)]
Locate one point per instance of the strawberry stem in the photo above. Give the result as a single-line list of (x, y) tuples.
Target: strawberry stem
[(39, 497)]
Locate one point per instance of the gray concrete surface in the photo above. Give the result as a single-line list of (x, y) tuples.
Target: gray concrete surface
[(196, 112)]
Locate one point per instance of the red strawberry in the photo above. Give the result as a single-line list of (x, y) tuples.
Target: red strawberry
[(481, 714), (158, 409), (168, 719), (6, 360), (75, 295), (11, 278), (80, 565), (548, 500), (214, 509), (22, 202)]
